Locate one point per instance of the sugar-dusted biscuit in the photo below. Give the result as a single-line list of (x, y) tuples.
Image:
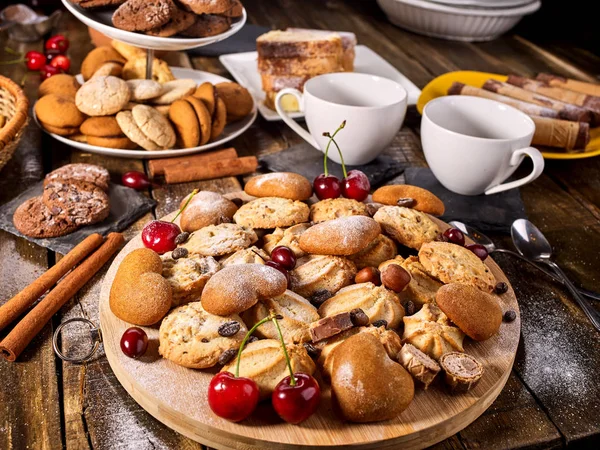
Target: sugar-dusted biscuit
[(279, 184), (102, 96), (343, 236), (407, 226), (91, 173), (334, 208), (206, 208), (271, 212)]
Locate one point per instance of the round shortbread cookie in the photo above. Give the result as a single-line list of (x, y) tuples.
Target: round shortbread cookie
[(133, 132), (154, 125), (102, 96), (271, 212)]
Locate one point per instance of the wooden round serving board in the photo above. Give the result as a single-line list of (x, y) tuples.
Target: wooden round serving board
[(177, 396)]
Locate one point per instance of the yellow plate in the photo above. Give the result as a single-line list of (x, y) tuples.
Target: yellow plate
[(440, 85)]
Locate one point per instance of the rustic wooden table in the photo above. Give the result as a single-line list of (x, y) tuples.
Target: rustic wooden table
[(552, 398)]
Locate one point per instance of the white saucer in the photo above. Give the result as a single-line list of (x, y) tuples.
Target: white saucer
[(484, 3), (101, 20), (244, 68), (231, 131)]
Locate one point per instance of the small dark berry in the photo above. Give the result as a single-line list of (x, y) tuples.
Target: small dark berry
[(227, 356), (229, 329), (380, 323), (509, 315), (182, 238), (359, 318), (179, 252), (501, 287)]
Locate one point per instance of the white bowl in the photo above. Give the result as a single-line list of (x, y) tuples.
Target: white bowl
[(101, 20), (484, 3), (454, 23)]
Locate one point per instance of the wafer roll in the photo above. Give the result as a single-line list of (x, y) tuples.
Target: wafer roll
[(565, 110), (530, 109), (566, 83), (586, 101), (560, 133)]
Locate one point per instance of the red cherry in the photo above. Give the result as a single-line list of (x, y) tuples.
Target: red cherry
[(135, 180), (58, 42), (284, 256), (159, 236), (283, 270), (35, 60), (327, 186), (232, 398), (294, 404), (356, 185), (49, 71), (479, 251), (62, 62), (455, 236), (134, 342)]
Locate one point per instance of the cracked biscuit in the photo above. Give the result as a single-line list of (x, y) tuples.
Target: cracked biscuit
[(102, 96), (271, 212), (154, 125), (218, 240), (407, 226)]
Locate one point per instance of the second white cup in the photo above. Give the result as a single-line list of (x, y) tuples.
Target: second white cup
[(373, 108)]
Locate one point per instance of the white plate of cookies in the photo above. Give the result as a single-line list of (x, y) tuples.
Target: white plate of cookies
[(172, 27), (407, 335), (144, 119)]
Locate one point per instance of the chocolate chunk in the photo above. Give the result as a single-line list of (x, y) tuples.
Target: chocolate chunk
[(500, 288), (227, 356), (182, 238), (320, 296), (406, 202), (238, 202), (229, 329), (380, 323), (179, 252), (509, 315), (372, 208), (312, 351), (330, 326), (359, 318)]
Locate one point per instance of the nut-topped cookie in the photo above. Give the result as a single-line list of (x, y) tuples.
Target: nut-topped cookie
[(191, 337), (411, 197), (343, 236), (279, 184), (77, 202), (377, 302), (271, 212), (187, 275), (451, 263), (334, 208), (407, 226), (222, 239)]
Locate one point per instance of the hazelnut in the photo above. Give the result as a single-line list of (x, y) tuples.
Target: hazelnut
[(395, 277), (368, 274)]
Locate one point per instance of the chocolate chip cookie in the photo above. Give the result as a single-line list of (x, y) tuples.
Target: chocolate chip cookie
[(76, 202), (32, 218), (89, 173)]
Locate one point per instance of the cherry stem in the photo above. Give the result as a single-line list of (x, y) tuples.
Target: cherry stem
[(331, 139), (256, 253), (11, 51), (287, 357), (13, 61), (194, 192), (248, 334)]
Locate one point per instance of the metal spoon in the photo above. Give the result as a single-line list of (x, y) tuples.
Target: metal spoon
[(489, 245), (532, 244)]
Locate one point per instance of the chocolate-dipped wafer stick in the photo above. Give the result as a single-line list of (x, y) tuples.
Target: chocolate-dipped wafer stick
[(560, 133), (586, 101), (565, 110), (574, 85), (528, 108)]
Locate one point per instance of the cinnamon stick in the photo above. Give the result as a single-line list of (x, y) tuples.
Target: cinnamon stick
[(24, 332), (528, 108), (574, 85), (590, 102), (157, 166), (560, 133), (24, 299), (565, 111), (213, 169)]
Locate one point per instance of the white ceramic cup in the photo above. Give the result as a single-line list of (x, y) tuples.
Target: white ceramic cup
[(473, 144), (373, 108)]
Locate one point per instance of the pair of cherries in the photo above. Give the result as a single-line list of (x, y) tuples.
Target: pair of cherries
[(355, 184), (455, 236), (295, 398)]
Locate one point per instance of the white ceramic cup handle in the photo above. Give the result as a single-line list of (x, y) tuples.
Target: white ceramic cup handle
[(538, 168), (291, 122)]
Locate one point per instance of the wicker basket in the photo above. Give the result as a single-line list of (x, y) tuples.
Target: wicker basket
[(14, 106)]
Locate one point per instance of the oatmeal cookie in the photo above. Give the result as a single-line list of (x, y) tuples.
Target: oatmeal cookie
[(271, 212), (188, 275), (222, 239), (407, 226)]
